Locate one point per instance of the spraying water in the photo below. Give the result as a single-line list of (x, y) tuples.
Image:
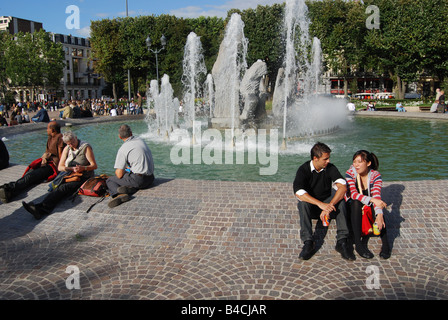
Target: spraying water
[(228, 72), (304, 111), (164, 106), (194, 72), (210, 93)]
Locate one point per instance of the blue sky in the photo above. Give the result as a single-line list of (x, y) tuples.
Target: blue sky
[(52, 13)]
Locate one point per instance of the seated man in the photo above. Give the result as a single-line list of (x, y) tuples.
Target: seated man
[(400, 107), (41, 115), (42, 171), (67, 112), (136, 156), (320, 188)]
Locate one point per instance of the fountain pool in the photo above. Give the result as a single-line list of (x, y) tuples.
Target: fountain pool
[(407, 149)]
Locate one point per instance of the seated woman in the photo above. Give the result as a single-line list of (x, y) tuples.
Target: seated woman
[(77, 165), (364, 188)]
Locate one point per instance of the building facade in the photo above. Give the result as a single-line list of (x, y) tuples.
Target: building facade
[(14, 25), (80, 81)]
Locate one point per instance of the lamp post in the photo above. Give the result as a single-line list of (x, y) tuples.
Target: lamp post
[(129, 71), (156, 52)]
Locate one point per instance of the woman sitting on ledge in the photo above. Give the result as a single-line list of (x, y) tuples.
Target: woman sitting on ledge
[(76, 166), (364, 189)]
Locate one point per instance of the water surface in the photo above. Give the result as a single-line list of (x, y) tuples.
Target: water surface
[(407, 150)]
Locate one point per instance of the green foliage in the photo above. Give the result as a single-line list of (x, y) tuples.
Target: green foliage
[(33, 60), (412, 40), (263, 29)]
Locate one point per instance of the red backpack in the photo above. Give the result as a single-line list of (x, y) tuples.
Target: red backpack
[(94, 187)]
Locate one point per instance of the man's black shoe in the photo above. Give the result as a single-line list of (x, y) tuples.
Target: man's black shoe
[(126, 190), (5, 194), (31, 208), (344, 249), (385, 253), (364, 252), (119, 199), (307, 250)]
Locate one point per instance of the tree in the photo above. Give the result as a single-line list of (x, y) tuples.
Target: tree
[(3, 78), (33, 60), (107, 58), (413, 39), (340, 25)]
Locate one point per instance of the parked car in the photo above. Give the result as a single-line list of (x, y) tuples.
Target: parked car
[(412, 95)]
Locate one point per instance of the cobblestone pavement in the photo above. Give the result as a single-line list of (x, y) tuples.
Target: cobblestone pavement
[(210, 240), (194, 240)]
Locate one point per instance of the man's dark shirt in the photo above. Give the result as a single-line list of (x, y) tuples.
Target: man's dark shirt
[(317, 185)]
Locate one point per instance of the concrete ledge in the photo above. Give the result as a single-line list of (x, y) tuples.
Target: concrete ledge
[(404, 115)]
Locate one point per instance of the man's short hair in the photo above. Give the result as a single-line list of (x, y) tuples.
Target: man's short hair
[(125, 131), (319, 149)]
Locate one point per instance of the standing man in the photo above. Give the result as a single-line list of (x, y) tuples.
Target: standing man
[(134, 168), (320, 188), (44, 168)]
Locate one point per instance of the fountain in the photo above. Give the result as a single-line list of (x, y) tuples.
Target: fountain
[(236, 94), (227, 74), (165, 107), (296, 98), (210, 93), (194, 72)]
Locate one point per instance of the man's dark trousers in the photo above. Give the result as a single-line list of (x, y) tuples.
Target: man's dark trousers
[(309, 211)]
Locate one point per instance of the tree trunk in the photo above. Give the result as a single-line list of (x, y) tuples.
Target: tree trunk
[(401, 86), (114, 92), (346, 87)]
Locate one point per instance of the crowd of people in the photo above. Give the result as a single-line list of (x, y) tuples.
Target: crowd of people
[(439, 105), (18, 113)]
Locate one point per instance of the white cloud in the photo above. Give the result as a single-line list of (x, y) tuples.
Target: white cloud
[(84, 32)]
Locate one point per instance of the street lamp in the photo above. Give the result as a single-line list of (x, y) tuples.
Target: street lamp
[(129, 70), (156, 52)]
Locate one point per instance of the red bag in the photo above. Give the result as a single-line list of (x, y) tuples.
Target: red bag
[(367, 221), (367, 215), (94, 187), (37, 164)]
